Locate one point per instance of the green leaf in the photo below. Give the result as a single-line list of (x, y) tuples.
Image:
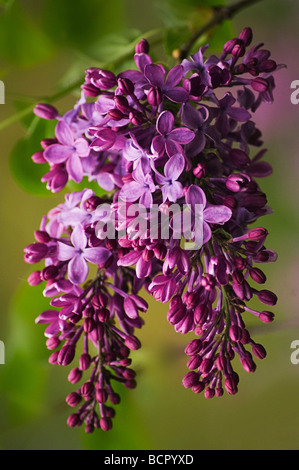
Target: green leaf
[(80, 24), (27, 173), (22, 42)]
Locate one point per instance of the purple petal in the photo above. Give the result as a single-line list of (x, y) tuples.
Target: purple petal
[(141, 60), (64, 251), (207, 233), (174, 167), (77, 270), (64, 134), (98, 255), (47, 317), (131, 191), (172, 147), (57, 153), (173, 191), (165, 122), (158, 144), (74, 168), (182, 135), (78, 238), (195, 195), (82, 147), (174, 76), (239, 114), (154, 74), (191, 117), (177, 95), (129, 259), (130, 308), (143, 268), (217, 214)]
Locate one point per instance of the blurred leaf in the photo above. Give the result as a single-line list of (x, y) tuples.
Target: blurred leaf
[(115, 46), (174, 38), (79, 23), (216, 38), (27, 173), (22, 43), (23, 377), (193, 13)]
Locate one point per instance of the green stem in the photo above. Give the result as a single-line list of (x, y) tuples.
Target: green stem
[(221, 14)]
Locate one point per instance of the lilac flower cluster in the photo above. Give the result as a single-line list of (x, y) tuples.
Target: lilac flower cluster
[(156, 137)]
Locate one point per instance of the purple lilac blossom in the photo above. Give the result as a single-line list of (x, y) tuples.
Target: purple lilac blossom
[(156, 138)]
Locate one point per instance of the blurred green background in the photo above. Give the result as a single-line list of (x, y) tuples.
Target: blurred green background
[(45, 46)]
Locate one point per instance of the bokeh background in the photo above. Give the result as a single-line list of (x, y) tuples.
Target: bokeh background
[(45, 46)]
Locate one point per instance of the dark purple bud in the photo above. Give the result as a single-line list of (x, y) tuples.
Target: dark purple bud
[(221, 362), (248, 364), (257, 275), (230, 44), (35, 252), (38, 157), (154, 96), (206, 365), (34, 279), (74, 420), (219, 392), (66, 355), (160, 251), (132, 343), (88, 324), (115, 114), (45, 111), (238, 277), (199, 171), (53, 342), (87, 390), (267, 297), (130, 384), (201, 313), (260, 84), (121, 103), (53, 358), (90, 90), (239, 158), (142, 47), (190, 379), (193, 347), (73, 399), (198, 388), (245, 339), (41, 236), (103, 314), (84, 361), (238, 50), (209, 392), (235, 333), (266, 317), (101, 395), (237, 182), (259, 351), (75, 375), (194, 362), (126, 86), (246, 36), (105, 424), (257, 234), (268, 66), (231, 385), (103, 79), (49, 273), (136, 118), (114, 398)]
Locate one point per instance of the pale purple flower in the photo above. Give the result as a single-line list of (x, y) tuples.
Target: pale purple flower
[(69, 151), (141, 188), (171, 188), (78, 254), (212, 214)]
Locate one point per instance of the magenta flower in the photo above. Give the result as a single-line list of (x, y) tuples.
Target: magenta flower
[(78, 255)]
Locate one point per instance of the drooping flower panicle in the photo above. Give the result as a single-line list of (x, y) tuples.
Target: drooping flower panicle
[(157, 140)]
